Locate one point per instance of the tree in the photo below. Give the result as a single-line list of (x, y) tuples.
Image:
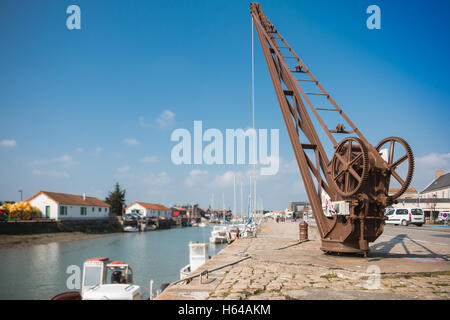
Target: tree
[(116, 199)]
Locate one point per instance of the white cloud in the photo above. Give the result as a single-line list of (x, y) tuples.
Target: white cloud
[(123, 169), (98, 150), (434, 161), (79, 149), (426, 166), (37, 163), (196, 177), (50, 173), (65, 160), (143, 123), (150, 159), (8, 143), (158, 179), (226, 179), (166, 119), (131, 141)]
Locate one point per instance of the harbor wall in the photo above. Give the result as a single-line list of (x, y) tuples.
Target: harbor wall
[(37, 227), (110, 225)]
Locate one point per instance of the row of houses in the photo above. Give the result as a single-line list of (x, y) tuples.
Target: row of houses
[(62, 206), (433, 199)]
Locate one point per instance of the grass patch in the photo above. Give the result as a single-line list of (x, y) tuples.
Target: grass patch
[(329, 276), (398, 286), (434, 274), (246, 294), (442, 284), (259, 291)]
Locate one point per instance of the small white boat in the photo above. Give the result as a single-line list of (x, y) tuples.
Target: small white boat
[(184, 272), (130, 229), (218, 235), (198, 254), (202, 225)]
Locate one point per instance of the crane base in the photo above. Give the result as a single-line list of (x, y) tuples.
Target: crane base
[(359, 247)]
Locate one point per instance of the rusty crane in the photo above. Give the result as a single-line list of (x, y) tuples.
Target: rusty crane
[(357, 179)]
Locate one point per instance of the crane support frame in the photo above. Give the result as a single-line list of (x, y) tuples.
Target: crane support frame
[(357, 174)]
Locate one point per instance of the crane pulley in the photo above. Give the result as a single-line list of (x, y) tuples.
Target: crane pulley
[(359, 175)]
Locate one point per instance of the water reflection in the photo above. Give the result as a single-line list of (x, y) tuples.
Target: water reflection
[(39, 272)]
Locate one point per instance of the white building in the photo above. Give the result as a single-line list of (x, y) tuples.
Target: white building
[(148, 209), (439, 188), (433, 200), (62, 206)]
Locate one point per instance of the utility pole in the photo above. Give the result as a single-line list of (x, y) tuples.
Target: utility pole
[(21, 195)]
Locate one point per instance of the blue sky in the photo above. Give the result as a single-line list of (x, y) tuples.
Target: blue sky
[(82, 109)]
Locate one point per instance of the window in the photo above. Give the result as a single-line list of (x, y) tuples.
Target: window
[(63, 211), (402, 211), (390, 212), (83, 211), (99, 209), (93, 209), (416, 212), (92, 275)]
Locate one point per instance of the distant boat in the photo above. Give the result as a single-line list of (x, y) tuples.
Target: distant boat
[(130, 229), (218, 235), (202, 224)]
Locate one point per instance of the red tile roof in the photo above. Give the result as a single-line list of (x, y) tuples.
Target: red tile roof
[(409, 190), (71, 199), (179, 208), (149, 206)]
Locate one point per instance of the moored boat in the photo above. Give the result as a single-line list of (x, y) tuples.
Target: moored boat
[(130, 229), (95, 285), (198, 255)]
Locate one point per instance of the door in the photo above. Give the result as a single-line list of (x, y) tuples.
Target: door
[(47, 212)]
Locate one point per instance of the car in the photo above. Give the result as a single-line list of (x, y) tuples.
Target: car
[(405, 216), (129, 216), (136, 216)]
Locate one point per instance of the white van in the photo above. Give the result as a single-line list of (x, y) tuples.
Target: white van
[(405, 216)]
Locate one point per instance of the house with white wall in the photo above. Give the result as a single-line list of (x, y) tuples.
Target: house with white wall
[(439, 188), (433, 200), (63, 206), (148, 209)]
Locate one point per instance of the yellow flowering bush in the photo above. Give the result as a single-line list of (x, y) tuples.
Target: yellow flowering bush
[(22, 210)]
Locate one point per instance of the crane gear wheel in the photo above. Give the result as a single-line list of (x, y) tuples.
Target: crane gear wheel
[(350, 166), (392, 165)]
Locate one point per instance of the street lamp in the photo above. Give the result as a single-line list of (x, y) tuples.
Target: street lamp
[(21, 195)]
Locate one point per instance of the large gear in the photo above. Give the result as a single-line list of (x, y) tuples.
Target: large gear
[(404, 184), (350, 166)]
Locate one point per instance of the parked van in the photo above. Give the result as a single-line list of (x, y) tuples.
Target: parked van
[(405, 216)]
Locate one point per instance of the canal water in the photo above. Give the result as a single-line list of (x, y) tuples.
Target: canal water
[(39, 272)]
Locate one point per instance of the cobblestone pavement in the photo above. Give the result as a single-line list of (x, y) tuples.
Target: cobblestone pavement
[(280, 268)]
